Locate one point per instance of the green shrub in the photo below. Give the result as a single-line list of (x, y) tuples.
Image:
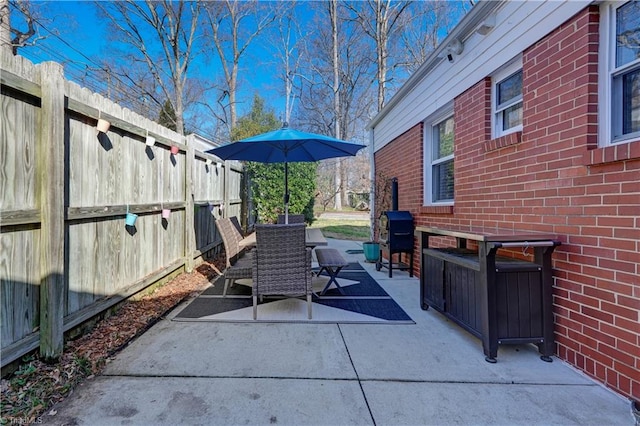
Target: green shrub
[(267, 182)]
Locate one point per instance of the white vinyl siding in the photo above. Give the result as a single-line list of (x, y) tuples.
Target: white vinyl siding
[(518, 25)]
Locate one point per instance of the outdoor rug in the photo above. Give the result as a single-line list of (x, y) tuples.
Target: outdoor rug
[(363, 301)]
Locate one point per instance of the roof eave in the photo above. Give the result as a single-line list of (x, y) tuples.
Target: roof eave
[(469, 24)]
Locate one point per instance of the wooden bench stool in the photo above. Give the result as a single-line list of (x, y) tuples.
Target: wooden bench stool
[(330, 260)]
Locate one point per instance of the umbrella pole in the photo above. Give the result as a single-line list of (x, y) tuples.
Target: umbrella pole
[(286, 192)]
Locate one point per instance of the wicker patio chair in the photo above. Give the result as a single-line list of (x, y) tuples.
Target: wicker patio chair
[(281, 263), (293, 218), (244, 241), (238, 263), (236, 224)]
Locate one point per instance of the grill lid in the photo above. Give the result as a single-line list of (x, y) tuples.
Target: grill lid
[(393, 215)]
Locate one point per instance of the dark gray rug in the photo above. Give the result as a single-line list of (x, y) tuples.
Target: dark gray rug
[(363, 301)]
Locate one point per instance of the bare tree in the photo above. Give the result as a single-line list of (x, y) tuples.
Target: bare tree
[(11, 36), (423, 28), (287, 42), (5, 25), (335, 65), (379, 19), (325, 184), (335, 91), (163, 35), (234, 24)]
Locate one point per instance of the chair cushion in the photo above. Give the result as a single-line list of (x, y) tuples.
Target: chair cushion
[(241, 269), (330, 257)]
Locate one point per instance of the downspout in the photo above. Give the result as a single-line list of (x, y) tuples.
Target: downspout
[(372, 180)]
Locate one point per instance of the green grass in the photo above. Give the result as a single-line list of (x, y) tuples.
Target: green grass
[(357, 230)]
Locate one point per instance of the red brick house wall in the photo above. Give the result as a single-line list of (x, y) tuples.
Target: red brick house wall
[(552, 177), (403, 159)]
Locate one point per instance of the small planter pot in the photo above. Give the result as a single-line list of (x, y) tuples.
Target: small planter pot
[(130, 219), (103, 125), (371, 251)]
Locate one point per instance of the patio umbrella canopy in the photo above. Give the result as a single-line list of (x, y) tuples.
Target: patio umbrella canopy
[(286, 145)]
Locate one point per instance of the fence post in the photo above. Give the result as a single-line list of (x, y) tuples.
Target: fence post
[(227, 199), (189, 242), (244, 196), (51, 167)]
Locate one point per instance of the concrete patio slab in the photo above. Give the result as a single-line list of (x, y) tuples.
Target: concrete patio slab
[(417, 353), (428, 373), (236, 350), (394, 403), (175, 401)]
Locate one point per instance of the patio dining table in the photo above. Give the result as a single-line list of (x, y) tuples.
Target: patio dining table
[(313, 238)]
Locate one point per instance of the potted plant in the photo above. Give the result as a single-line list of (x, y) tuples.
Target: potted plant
[(371, 251)]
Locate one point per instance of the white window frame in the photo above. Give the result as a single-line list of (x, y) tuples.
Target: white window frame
[(609, 107), (429, 124), (496, 115)]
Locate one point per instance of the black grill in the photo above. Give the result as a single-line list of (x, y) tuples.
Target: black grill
[(396, 236), (396, 229)]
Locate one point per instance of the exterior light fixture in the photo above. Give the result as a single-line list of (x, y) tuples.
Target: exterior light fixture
[(454, 48), (487, 25)]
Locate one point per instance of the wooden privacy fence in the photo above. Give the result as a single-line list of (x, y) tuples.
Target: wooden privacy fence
[(65, 190)]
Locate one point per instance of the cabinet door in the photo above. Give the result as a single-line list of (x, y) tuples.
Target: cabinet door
[(519, 311), (462, 295), (433, 282)]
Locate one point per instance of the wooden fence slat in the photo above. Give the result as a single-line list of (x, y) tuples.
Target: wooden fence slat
[(66, 255), (20, 217), (52, 248), (20, 121), (10, 279), (79, 213), (189, 243), (20, 83)]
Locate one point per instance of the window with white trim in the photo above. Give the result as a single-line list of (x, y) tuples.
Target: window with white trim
[(439, 172), (619, 72), (507, 100)]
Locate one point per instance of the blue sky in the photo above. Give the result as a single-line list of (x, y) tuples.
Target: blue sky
[(78, 27), (75, 34), (80, 34)]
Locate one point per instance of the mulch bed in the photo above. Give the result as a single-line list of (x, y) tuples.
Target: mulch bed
[(36, 386)]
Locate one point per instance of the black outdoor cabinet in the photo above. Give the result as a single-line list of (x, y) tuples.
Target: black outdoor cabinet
[(498, 299)]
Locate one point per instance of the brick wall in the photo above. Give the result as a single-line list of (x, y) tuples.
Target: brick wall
[(551, 177), (594, 203), (403, 159)]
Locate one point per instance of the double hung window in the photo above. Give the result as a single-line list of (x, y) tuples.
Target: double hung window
[(620, 69), (507, 104), (439, 176)]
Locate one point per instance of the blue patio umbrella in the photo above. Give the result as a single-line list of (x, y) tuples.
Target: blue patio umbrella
[(286, 145)]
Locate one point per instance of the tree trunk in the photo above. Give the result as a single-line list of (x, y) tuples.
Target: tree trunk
[(381, 43), (333, 13), (5, 25), (337, 204)]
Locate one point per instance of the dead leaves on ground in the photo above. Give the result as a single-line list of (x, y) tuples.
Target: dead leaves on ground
[(36, 385)]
